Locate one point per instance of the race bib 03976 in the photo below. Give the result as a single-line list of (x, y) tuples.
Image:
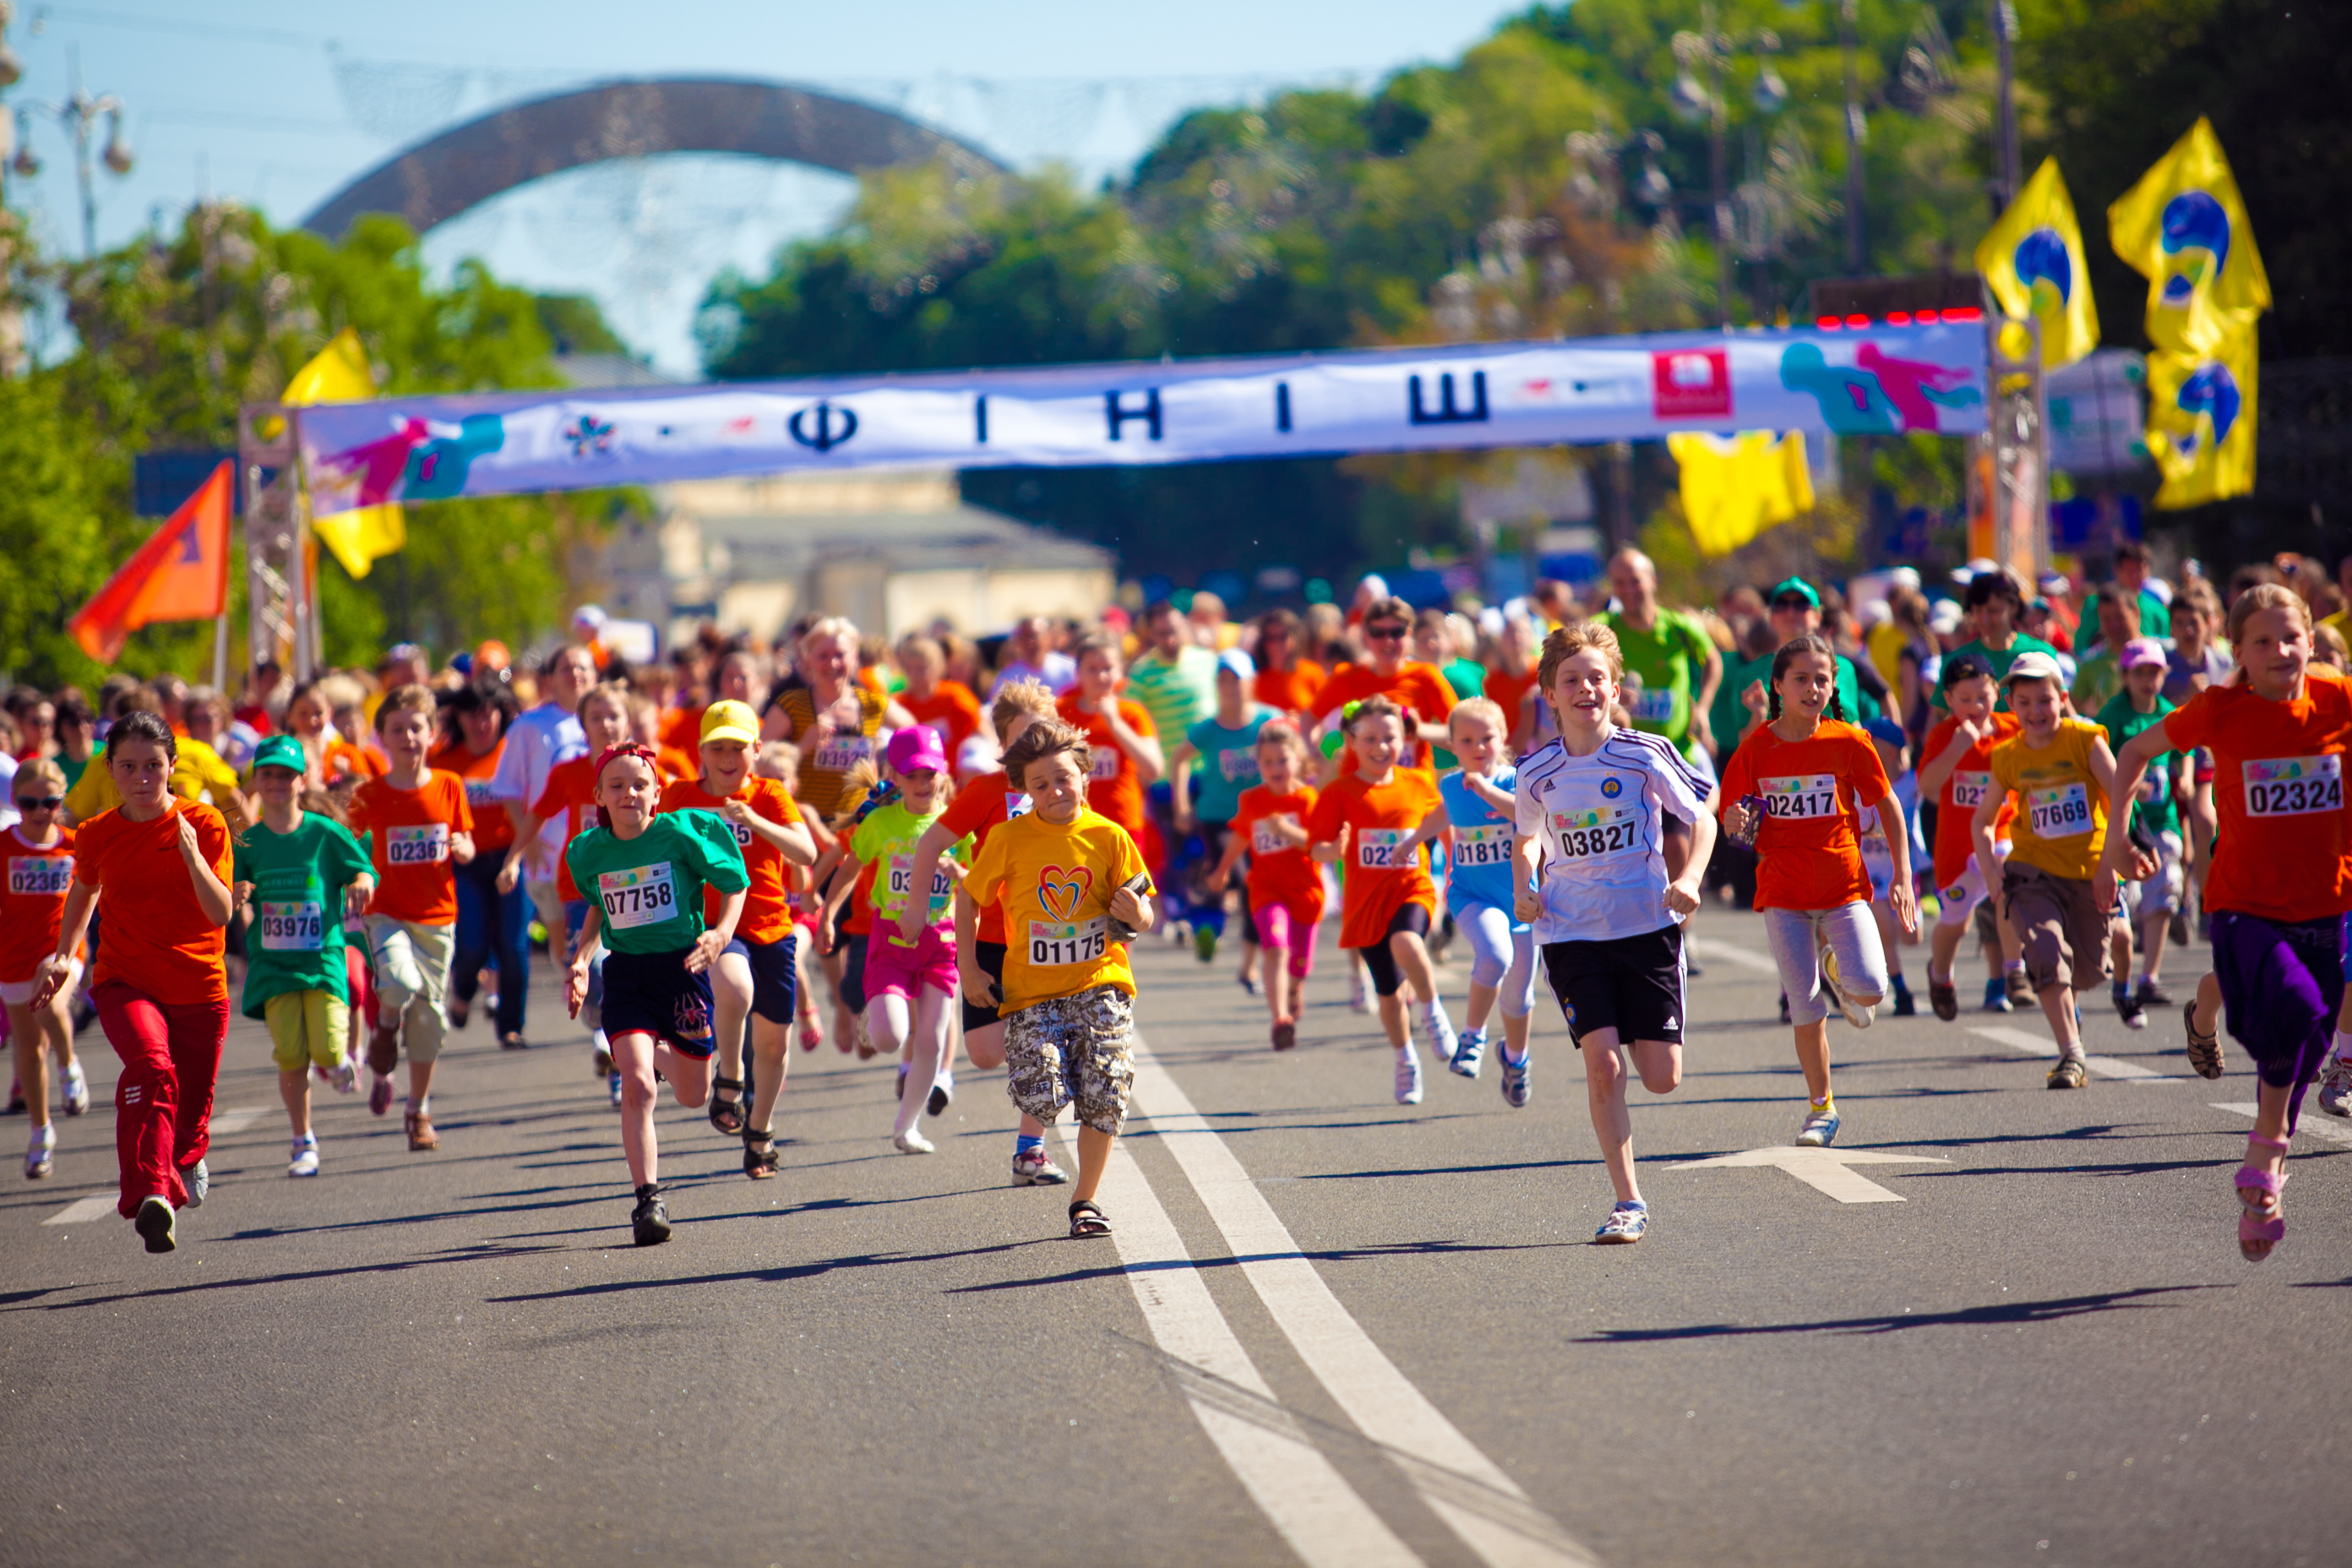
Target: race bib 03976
[(293, 927)]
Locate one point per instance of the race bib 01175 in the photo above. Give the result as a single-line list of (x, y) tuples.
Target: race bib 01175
[(2294, 786), (641, 896), (1055, 946)]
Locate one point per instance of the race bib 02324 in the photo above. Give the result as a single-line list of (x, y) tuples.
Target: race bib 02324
[(2294, 786)]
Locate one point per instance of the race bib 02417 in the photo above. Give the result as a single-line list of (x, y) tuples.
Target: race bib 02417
[(1802, 798)]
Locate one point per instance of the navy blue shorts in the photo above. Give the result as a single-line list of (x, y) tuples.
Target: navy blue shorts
[(775, 984), (652, 993), (991, 955)]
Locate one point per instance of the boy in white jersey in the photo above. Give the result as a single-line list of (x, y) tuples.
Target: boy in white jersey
[(1616, 883)]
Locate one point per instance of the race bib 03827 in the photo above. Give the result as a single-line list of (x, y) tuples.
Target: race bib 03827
[(1596, 833), (2292, 786)]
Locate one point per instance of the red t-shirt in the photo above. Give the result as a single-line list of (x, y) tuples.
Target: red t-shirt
[(1808, 852), (409, 833), (682, 728), (493, 829), (978, 810), (1383, 877), (1963, 792), (1419, 689), (569, 793), (33, 905), (159, 940), (2278, 786), (1280, 873), (767, 907), (951, 708), (1505, 690), (1112, 787), (1291, 691)]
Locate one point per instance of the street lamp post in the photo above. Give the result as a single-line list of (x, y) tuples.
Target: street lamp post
[(1715, 51), (2004, 32), (78, 115)]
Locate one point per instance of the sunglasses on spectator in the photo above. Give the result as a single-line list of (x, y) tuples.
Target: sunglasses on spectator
[(1793, 602), (39, 802), (1384, 634)]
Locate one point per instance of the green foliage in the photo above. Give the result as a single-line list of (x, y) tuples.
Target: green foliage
[(574, 325), (50, 534)]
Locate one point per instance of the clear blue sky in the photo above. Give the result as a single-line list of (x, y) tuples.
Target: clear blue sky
[(279, 105)]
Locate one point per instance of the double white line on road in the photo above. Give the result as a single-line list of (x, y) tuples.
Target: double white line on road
[(1324, 1520), (2043, 1046)]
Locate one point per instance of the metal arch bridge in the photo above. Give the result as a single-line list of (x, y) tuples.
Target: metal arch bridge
[(467, 164)]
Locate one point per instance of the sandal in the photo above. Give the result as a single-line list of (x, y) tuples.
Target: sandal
[(812, 1032), (727, 1115), (1086, 1219), (2260, 1225), (2204, 1050), (760, 1156)]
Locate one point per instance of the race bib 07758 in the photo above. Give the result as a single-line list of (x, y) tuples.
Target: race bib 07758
[(641, 896)]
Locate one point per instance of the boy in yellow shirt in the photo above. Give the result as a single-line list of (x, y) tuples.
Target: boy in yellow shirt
[(1075, 892)]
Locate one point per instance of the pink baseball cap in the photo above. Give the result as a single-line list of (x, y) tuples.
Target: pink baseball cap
[(2139, 651), (911, 750)]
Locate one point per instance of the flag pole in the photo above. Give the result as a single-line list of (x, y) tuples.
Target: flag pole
[(220, 652)]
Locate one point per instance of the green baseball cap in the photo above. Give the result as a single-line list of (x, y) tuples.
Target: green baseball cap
[(1794, 585), (280, 751)]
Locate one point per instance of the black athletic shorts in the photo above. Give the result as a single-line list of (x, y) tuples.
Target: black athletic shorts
[(1380, 963), (1633, 984), (775, 984), (852, 948), (652, 993), (991, 958)]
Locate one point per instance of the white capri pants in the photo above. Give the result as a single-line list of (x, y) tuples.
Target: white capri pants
[(1961, 899), (1851, 932), (1499, 957)]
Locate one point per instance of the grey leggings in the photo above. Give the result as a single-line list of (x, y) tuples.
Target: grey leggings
[(1797, 936), (1500, 958)]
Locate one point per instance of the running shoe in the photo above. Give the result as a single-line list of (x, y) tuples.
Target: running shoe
[(2179, 929), (344, 1080), (154, 1224), (1469, 1053), (1625, 1225), (1820, 1127), (1692, 967), (1247, 981), (1408, 1076), (422, 1139), (1853, 1014), (1360, 996), (1286, 1036), (2336, 1088), (1784, 1006), (1515, 1080), (2070, 1073), (942, 1094), (306, 1158), (1904, 1007), (40, 1156), (199, 1179), (600, 1062), (380, 1095), (2021, 990), (2152, 993), (1997, 996), (1440, 1030), (912, 1141), (2129, 1009), (1035, 1168), (650, 1218), (612, 1084), (2204, 1050), (1204, 943), (512, 1040), (77, 1087), (1943, 999)]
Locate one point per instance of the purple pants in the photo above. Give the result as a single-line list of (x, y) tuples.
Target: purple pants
[(2281, 986)]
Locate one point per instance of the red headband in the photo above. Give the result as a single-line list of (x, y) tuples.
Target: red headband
[(627, 749)]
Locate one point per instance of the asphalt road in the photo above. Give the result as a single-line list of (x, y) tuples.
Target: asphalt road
[(1329, 1328)]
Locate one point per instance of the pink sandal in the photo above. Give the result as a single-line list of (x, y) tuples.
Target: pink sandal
[(2264, 1223)]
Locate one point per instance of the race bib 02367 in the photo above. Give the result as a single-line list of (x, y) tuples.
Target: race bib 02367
[(1486, 846), (2062, 811), (1054, 946), (2292, 786), (1381, 849), (427, 845), (1802, 798), (40, 875), (641, 896)]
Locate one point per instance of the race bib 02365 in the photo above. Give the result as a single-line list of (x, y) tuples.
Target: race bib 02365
[(1802, 798), (2292, 786), (1054, 946), (427, 845), (641, 896), (1381, 849), (40, 875)]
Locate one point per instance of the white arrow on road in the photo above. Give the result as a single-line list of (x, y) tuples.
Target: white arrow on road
[(1824, 1170)]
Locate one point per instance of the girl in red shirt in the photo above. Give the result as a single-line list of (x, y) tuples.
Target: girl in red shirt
[(1286, 886), (1800, 785), (40, 864)]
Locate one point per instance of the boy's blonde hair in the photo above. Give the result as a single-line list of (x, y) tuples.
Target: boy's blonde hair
[(1566, 642), (410, 699), (1484, 708), (1014, 698)]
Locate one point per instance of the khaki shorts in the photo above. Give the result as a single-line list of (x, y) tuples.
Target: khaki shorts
[(2059, 926), (307, 1028), (1077, 1049)]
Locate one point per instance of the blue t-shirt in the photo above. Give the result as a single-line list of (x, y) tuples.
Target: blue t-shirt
[(1482, 842), (1228, 765)]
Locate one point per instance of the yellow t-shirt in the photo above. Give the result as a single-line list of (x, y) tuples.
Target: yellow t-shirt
[(1055, 885), (2062, 811)]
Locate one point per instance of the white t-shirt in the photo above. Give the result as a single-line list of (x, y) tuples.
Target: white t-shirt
[(536, 742), (1599, 820)]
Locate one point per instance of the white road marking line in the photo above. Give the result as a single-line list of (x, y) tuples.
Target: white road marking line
[(2319, 1126), (2043, 1046), (1731, 952), (81, 1211), (1293, 1482), (229, 1124), (1462, 1486), (1824, 1170)]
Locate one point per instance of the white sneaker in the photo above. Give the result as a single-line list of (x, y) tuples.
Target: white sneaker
[(39, 1155), (1408, 1077), (77, 1087), (913, 1142), (1443, 1040), (199, 1179), (306, 1159), (1360, 996)]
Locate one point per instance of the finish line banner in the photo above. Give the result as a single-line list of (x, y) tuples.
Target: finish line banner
[(1876, 380)]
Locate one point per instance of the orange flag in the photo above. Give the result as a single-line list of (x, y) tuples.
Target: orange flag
[(181, 574)]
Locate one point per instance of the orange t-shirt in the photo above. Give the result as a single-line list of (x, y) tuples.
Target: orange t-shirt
[(341, 757), (409, 832), (1808, 852), (1417, 689), (1280, 873), (951, 708), (1963, 792), (682, 728), (979, 809), (1507, 690), (35, 903), (569, 793), (677, 762), (1291, 691), (2278, 786), (493, 829), (157, 940), (767, 907), (1112, 788), (1383, 877)]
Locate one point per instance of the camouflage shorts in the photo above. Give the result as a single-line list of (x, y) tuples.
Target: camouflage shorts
[(1069, 1049)]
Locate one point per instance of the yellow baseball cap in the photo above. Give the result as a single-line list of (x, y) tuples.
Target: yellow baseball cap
[(730, 721)]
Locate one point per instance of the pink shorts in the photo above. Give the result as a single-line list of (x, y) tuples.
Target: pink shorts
[(893, 970), (1280, 927)]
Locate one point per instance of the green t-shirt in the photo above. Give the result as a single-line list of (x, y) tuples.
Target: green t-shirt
[(1228, 765), (295, 941), (73, 770), (2155, 810), (651, 886), (1468, 678), (1997, 662), (2155, 617), (2097, 680), (885, 841), (1728, 717), (1663, 669), (1177, 696)]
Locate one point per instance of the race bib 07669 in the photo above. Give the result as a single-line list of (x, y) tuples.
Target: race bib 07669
[(427, 845), (1381, 849), (641, 896), (1805, 797), (40, 875), (1051, 946), (2292, 786), (2062, 811), (1487, 846)]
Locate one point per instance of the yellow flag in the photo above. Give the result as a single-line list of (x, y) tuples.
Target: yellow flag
[(2200, 421), (2033, 261), (1735, 488), (338, 374), (2184, 228)]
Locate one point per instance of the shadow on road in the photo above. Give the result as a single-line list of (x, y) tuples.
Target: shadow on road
[(1966, 1317)]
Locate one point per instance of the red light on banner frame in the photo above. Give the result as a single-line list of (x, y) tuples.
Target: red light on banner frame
[(1857, 321), (1926, 317), (1964, 313), (1830, 323), (1898, 318)]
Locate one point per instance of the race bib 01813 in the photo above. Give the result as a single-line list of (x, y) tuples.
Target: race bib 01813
[(427, 845), (1381, 849), (1486, 846), (641, 896), (2294, 786), (40, 875), (293, 927), (1055, 946)]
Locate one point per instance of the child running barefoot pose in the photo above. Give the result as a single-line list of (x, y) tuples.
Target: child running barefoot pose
[(1608, 882), (1799, 783), (757, 978), (1957, 777), (1286, 886), (40, 857), (1475, 804), (2279, 884), (1074, 893), (1390, 901), (649, 874), (299, 871)]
